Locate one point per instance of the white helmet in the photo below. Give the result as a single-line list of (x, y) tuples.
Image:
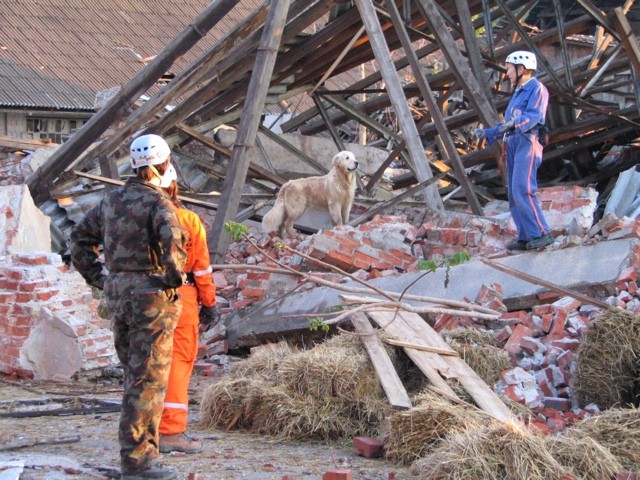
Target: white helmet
[(169, 176), (149, 150), (524, 58)]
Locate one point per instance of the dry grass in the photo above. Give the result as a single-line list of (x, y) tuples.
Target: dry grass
[(328, 392), (587, 459), (616, 430), (412, 433), (471, 336), (339, 367), (487, 361), (495, 452), (264, 362), (607, 364)]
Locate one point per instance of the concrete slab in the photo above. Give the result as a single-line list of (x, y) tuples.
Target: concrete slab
[(581, 268)]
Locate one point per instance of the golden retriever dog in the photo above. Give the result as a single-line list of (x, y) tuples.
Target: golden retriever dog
[(334, 191)]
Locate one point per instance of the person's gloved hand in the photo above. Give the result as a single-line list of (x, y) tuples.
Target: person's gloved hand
[(208, 315), (507, 125), (480, 133)]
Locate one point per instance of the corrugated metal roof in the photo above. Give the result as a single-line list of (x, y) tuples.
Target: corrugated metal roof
[(56, 54)]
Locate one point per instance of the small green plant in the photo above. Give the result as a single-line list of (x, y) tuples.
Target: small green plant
[(316, 323), (447, 262), (235, 230)]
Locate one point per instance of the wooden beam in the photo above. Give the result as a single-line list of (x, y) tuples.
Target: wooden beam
[(385, 371), (253, 168), (40, 181), (12, 143), (248, 128), (380, 207), (178, 86), (399, 101), (459, 66), (429, 99), (543, 283), (627, 38), (295, 151)]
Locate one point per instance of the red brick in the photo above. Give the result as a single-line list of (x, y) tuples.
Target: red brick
[(566, 304), (513, 344), (561, 404), (519, 316), (541, 310), (556, 424), (539, 426), (239, 304), (444, 321), (342, 474), (629, 274), (514, 393), (546, 322), (504, 334), (368, 447), (255, 293)]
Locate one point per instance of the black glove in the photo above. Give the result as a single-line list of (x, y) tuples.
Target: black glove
[(208, 315), (507, 125)]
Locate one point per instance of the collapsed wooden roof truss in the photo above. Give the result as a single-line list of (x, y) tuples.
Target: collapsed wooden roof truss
[(267, 52)]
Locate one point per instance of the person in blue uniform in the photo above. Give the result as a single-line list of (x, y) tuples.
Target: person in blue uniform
[(524, 118)]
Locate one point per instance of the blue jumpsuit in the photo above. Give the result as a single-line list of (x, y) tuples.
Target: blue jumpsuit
[(528, 107)]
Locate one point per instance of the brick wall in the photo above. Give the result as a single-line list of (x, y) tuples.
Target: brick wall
[(42, 300)]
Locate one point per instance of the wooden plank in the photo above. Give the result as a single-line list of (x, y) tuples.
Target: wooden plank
[(248, 128), (481, 393), (385, 371), (429, 363)]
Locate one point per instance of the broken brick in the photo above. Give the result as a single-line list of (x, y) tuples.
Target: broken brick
[(368, 447), (341, 474)]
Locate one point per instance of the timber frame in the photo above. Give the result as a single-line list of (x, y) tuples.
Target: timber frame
[(269, 51)]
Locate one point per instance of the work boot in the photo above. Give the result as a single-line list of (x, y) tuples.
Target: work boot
[(517, 245), (180, 442), (540, 242), (154, 470)]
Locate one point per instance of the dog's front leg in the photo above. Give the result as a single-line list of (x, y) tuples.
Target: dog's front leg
[(335, 213)]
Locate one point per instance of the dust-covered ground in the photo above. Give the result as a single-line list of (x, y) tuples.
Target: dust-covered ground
[(90, 447)]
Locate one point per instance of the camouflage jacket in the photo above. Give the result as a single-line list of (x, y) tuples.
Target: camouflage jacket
[(140, 232)]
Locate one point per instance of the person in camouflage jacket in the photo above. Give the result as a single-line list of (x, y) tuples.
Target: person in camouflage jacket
[(144, 259)]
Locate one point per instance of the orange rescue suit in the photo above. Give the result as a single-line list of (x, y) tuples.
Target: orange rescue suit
[(185, 336)]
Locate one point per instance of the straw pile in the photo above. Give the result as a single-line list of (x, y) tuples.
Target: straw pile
[(412, 433), (616, 430), (328, 392), (607, 363), (495, 452), (264, 362), (587, 459), (487, 361)]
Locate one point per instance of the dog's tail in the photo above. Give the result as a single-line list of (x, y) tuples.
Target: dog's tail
[(274, 217)]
